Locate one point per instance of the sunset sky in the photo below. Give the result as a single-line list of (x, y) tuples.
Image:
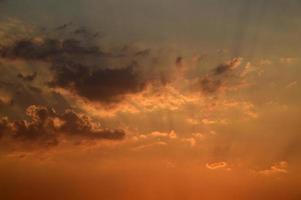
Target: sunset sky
[(150, 100)]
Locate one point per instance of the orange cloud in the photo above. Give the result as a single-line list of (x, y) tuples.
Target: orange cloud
[(216, 165), (277, 168)]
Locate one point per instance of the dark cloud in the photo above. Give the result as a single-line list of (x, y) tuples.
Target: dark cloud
[(45, 126), (64, 26), (221, 69), (144, 52), (48, 49), (85, 33), (29, 77), (104, 85), (226, 67), (4, 102), (4, 124), (82, 67), (179, 61), (213, 81), (23, 95), (209, 85), (75, 124), (35, 89)]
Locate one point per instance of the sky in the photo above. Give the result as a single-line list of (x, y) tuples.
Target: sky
[(153, 100)]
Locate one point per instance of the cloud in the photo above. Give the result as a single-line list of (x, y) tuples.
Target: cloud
[(216, 165), (224, 68), (191, 141), (17, 95), (5, 99), (277, 168), (103, 85), (75, 124), (288, 60), (210, 85), (46, 126), (265, 62), (247, 69), (4, 124), (80, 66), (150, 146), (213, 81), (63, 27), (291, 85), (29, 77), (206, 121), (48, 49), (157, 134), (247, 108), (179, 61)]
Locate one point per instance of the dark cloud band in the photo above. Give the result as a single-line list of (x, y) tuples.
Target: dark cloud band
[(46, 126)]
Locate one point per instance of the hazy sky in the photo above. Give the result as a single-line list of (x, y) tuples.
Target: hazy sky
[(153, 100)]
